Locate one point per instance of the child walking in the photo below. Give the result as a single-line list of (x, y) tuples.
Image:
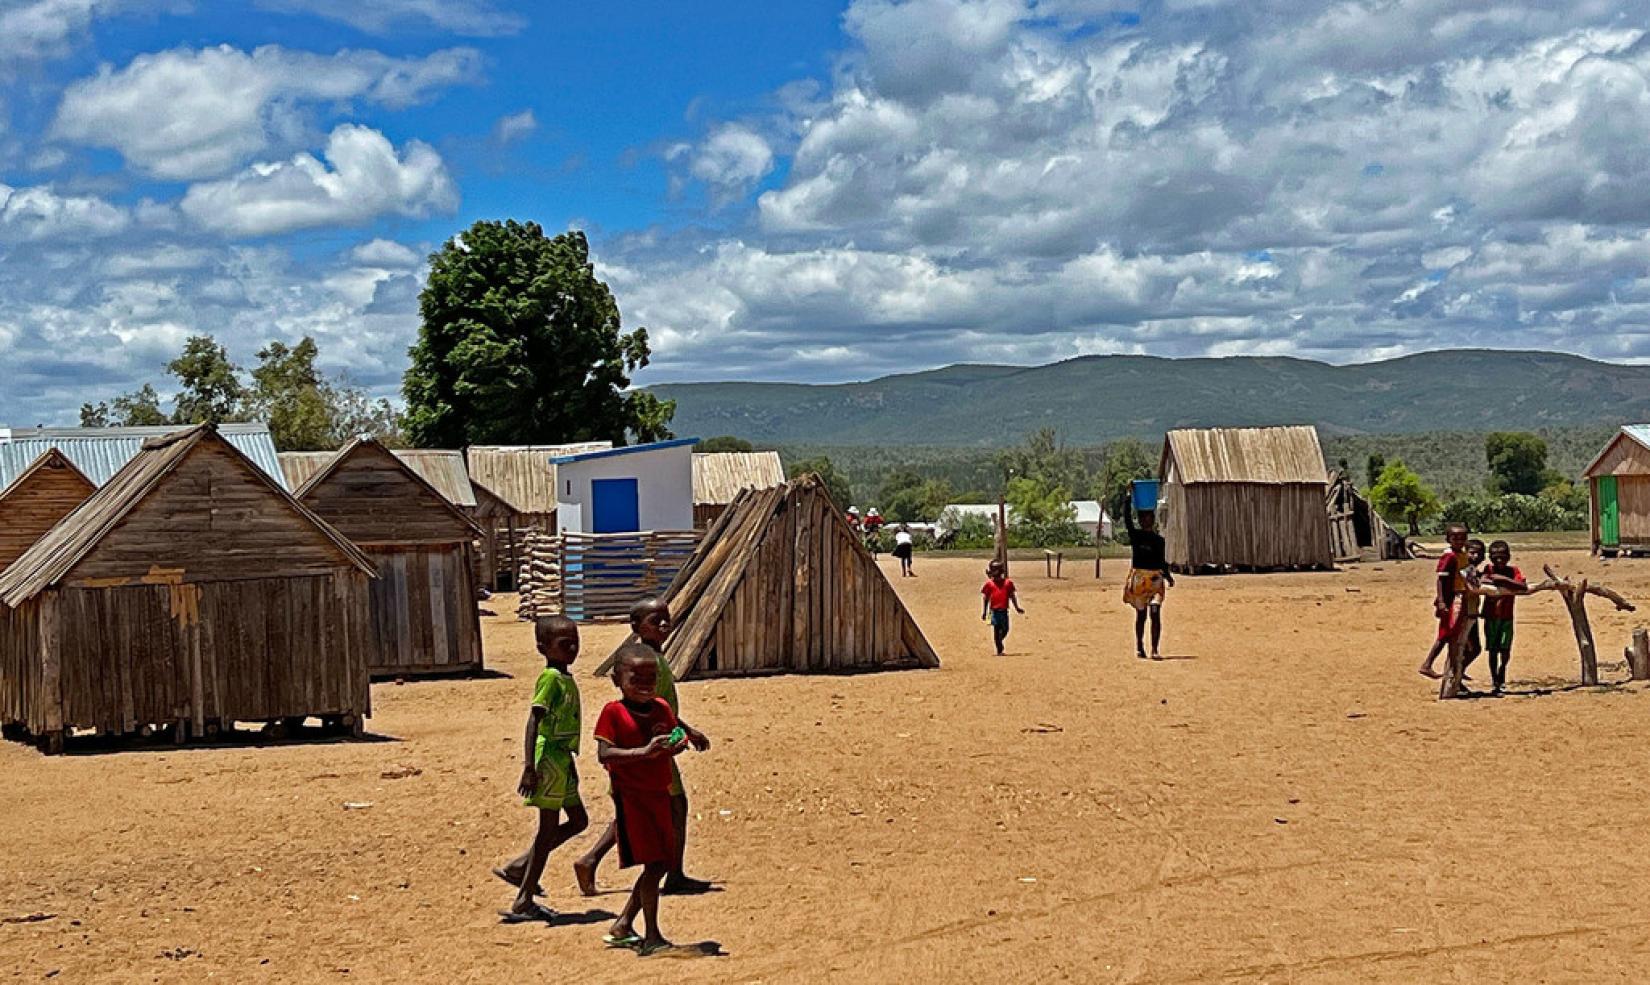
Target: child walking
[(1498, 610), (549, 779), (1149, 578), (636, 737), (650, 621), (903, 546), (997, 595)]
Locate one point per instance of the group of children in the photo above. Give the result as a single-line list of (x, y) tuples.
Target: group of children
[(1144, 590), (637, 740), (1470, 591)]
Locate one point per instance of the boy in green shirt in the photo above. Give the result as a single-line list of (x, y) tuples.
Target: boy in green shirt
[(650, 621), (549, 778)]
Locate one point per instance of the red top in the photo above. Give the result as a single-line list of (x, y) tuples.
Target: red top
[(998, 594), (1454, 564), (1501, 607), (625, 729)]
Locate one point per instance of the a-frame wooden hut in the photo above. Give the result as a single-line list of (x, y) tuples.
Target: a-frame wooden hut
[(780, 584), (423, 615), (1248, 499), (1618, 481), (46, 492), (191, 589)]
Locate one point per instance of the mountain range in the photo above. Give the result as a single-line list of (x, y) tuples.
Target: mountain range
[(1094, 399)]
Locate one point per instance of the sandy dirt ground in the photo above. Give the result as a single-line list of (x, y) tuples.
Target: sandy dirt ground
[(1283, 801)]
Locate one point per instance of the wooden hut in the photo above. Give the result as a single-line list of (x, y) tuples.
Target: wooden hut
[(1356, 531), (720, 476), (781, 584), (46, 492), (515, 489), (190, 589), (1619, 483), (423, 615), (1245, 499)]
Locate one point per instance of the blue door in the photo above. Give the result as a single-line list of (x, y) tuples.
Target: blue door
[(615, 506)]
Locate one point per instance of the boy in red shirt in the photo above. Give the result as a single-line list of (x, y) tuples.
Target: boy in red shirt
[(1448, 594), (997, 594), (635, 740), (1498, 610)]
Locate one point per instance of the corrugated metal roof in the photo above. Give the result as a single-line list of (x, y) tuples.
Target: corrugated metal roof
[(55, 555), (522, 475), (298, 466), (718, 476), (1281, 455), (101, 452)]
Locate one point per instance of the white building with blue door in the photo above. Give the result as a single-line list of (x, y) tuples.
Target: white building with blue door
[(624, 490)]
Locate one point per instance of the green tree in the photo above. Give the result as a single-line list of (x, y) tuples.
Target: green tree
[(354, 412), (1372, 469), (835, 482), (1517, 462), (906, 496), (290, 393), (723, 443), (210, 386), (1126, 460), (1399, 494), (1042, 457), (520, 342), (140, 408)]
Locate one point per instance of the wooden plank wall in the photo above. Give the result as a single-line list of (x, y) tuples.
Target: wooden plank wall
[(372, 497), (423, 612), (183, 522), (1633, 508), (35, 505), (1247, 525), (20, 666), (250, 650), (603, 575)]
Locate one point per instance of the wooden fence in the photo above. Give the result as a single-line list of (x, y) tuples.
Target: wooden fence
[(596, 577)]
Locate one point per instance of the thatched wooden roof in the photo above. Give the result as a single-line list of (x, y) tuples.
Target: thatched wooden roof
[(100, 452), (720, 476), (442, 468), (382, 482), (54, 555), (1277, 456), (523, 476)]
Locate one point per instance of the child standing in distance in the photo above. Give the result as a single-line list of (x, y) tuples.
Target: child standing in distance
[(1149, 578), (997, 595), (1448, 591), (634, 743), (549, 779), (902, 549), (650, 621), (1498, 610)]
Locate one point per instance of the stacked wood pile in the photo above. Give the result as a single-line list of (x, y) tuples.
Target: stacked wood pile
[(1244, 499), (781, 583), (191, 590), (596, 577), (46, 492), (539, 578), (422, 607)]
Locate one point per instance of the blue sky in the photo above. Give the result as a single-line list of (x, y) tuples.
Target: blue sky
[(826, 191)]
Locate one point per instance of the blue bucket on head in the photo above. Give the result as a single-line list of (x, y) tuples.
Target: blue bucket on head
[(1144, 492)]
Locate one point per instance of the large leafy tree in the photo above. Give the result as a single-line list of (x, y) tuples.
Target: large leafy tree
[(139, 408), (723, 443), (1399, 494), (520, 343), (209, 384), (906, 496), (1517, 462), (307, 411), (1126, 460)]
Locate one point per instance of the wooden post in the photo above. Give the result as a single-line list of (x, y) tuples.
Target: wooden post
[(1638, 655), (1575, 595), (1002, 535)]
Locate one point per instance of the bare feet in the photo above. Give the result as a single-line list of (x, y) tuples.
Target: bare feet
[(681, 885), (1426, 671), (514, 879), (585, 873)]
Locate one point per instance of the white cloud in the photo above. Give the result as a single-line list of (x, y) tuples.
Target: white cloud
[(39, 213), (732, 159), (473, 17), (37, 29), (188, 113), (515, 126), (385, 253), (362, 177)]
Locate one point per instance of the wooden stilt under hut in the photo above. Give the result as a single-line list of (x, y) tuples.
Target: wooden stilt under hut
[(780, 584), (1244, 499), (423, 617), (191, 590), (46, 492)]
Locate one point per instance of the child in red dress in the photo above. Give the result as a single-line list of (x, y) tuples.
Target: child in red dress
[(633, 741)]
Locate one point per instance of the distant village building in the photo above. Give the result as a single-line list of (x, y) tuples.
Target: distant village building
[(1618, 481), (720, 476), (1244, 498), (624, 490), (46, 492), (101, 452), (515, 490)]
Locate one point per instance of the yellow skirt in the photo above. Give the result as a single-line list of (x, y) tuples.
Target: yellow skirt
[(1144, 588)]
